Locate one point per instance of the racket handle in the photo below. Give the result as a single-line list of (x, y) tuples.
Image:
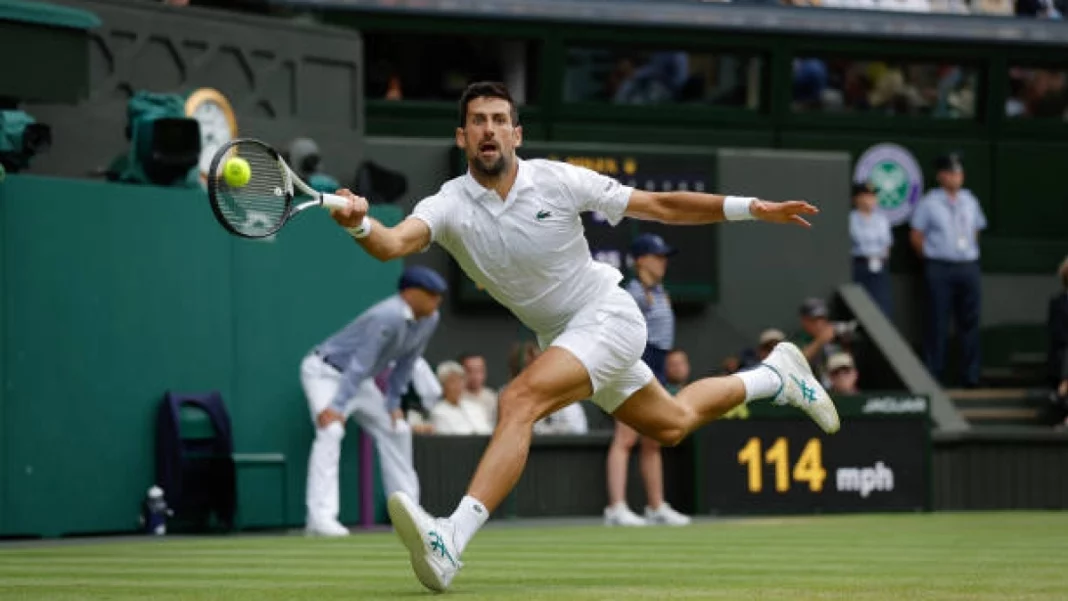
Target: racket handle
[(333, 201)]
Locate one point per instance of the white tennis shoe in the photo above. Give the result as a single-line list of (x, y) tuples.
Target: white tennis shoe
[(621, 515), (665, 515), (800, 387), (429, 541), (327, 527)]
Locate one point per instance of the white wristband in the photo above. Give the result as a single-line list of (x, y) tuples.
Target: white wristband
[(736, 208), (360, 231)]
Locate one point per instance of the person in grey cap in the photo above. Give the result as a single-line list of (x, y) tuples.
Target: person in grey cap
[(945, 232), (338, 377)]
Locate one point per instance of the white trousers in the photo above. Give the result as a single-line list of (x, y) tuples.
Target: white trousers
[(368, 408)]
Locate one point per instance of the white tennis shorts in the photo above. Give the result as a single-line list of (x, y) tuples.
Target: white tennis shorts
[(608, 337)]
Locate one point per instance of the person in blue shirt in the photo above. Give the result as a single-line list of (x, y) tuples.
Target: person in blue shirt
[(945, 232), (338, 377), (869, 231), (650, 254)]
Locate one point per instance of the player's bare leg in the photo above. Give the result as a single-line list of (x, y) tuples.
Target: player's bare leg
[(785, 376), (654, 413), (555, 379)]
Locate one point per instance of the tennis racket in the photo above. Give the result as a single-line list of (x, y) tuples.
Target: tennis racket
[(257, 206)]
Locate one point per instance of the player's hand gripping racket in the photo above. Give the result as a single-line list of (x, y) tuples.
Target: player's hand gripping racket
[(253, 191)]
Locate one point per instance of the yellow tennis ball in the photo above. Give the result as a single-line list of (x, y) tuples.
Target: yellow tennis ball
[(237, 172)]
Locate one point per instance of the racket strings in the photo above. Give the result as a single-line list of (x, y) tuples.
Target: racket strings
[(260, 205)]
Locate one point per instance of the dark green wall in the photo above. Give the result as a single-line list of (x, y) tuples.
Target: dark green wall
[(115, 294)]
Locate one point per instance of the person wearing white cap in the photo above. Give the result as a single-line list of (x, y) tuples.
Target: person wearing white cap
[(338, 377), (843, 374), (515, 228), (767, 341), (453, 414)]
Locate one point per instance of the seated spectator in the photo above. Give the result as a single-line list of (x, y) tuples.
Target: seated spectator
[(1058, 344), (767, 341), (817, 337), (451, 415), (475, 389), (843, 374), (676, 370), (569, 420), (752, 357), (729, 365)]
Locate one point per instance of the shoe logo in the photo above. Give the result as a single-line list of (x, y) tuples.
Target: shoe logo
[(543, 214), (807, 392), (437, 545)]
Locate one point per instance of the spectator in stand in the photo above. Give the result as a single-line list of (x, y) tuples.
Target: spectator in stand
[(817, 338), (751, 357), (452, 415), (945, 232), (843, 374), (475, 389), (676, 370), (870, 233)]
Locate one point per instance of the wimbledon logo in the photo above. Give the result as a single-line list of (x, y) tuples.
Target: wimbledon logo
[(897, 178)]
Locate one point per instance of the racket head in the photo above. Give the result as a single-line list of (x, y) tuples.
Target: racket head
[(259, 207)]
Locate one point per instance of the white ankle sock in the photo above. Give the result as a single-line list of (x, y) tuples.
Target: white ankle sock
[(760, 382), (469, 516)]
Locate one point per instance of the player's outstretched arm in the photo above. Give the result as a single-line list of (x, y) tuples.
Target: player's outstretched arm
[(695, 208), (383, 243)]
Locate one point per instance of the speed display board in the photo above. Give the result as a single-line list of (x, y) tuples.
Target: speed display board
[(768, 459)]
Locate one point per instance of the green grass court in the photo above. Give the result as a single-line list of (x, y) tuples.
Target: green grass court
[(995, 556)]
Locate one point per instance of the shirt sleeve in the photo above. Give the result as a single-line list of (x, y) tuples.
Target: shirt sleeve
[(434, 212), (362, 362), (401, 375), (980, 217), (425, 383), (921, 215), (399, 379), (888, 234), (592, 191)]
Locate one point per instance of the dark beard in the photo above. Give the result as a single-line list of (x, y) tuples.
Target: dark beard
[(493, 169)]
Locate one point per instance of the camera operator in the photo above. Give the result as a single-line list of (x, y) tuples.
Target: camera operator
[(820, 338)]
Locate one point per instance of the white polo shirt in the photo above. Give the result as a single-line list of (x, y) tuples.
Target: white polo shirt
[(529, 251)]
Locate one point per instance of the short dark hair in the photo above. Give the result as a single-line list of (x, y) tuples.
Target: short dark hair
[(486, 89), (464, 356)]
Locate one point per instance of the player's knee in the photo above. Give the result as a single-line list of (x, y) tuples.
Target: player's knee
[(517, 404), (670, 437)]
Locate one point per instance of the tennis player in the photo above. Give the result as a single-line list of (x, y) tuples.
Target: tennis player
[(514, 227)]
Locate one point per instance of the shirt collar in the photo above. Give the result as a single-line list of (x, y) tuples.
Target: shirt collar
[(522, 181), (406, 311)]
